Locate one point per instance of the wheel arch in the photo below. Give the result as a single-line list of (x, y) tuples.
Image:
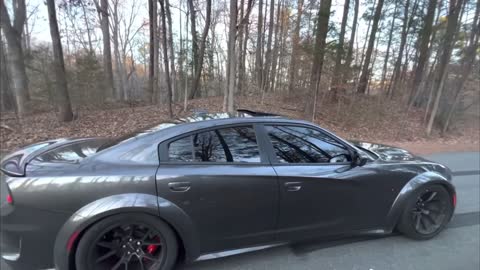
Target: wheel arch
[(73, 229), (419, 181)]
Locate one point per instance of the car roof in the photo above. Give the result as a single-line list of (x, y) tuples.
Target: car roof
[(198, 120)]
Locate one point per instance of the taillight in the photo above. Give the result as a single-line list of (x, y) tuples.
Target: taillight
[(9, 199), (454, 199)]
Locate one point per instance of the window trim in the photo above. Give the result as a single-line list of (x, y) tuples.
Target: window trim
[(263, 151), (274, 161)]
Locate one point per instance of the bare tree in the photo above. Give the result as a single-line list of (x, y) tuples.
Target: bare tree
[(13, 35), (228, 103), (259, 46), (170, 45), (407, 23), (340, 51), (165, 58), (424, 48), (349, 57), (61, 92), (468, 61), (318, 58), (268, 54), (102, 9), (295, 47), (447, 45), (193, 26), (362, 85), (153, 47), (198, 70), (389, 44)]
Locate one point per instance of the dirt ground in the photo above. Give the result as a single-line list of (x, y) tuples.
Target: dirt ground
[(369, 121)]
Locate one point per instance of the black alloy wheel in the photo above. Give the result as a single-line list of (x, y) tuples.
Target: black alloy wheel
[(430, 211), (427, 213), (132, 246), (127, 245)]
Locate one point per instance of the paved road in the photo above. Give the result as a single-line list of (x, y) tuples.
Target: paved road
[(456, 248)]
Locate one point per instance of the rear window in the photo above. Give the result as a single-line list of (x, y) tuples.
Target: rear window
[(235, 144), (70, 153)]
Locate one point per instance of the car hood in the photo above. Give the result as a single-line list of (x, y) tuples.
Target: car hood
[(387, 152), (15, 163)]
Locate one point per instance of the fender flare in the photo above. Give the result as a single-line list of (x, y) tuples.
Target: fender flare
[(426, 178), (77, 224)]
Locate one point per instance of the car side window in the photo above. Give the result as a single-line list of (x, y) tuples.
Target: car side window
[(181, 150), (208, 147), (240, 144), (234, 144), (293, 144)]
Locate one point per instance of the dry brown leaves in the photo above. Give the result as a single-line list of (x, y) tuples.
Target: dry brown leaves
[(355, 118)]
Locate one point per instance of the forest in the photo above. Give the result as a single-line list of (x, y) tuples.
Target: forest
[(368, 69)]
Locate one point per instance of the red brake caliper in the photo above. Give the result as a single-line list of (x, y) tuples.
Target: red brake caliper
[(152, 248)]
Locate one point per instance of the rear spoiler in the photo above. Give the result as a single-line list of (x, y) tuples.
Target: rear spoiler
[(15, 163)]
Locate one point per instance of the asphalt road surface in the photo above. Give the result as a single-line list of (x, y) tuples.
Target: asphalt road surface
[(458, 247)]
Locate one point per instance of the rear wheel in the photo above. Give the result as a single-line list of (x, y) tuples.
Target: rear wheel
[(128, 241), (426, 213)]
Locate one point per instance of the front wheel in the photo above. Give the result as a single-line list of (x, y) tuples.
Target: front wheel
[(427, 213), (127, 241)]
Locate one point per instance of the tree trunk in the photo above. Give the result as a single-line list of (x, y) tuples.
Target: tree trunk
[(348, 59), (398, 64), (228, 104), (152, 15), (198, 70), (389, 44), (6, 96), (424, 48), (15, 57), (336, 80), (243, 35), (193, 27), (170, 45), (268, 54), (102, 9), (468, 62), (119, 68), (454, 11), (365, 43), (61, 92), (278, 33), (319, 53), (85, 20), (165, 58), (362, 85), (258, 52), (295, 48)]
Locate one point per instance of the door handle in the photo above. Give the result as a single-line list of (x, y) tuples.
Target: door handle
[(293, 186), (179, 186)]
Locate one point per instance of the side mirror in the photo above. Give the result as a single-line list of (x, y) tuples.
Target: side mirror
[(358, 160)]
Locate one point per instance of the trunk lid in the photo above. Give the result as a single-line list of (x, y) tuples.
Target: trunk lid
[(68, 150)]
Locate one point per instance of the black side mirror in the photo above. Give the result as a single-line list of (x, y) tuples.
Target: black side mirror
[(358, 160)]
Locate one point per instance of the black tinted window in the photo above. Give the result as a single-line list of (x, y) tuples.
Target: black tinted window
[(181, 150), (71, 153), (209, 147), (236, 144), (304, 145), (241, 144)]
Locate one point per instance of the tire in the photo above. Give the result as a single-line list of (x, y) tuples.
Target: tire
[(417, 207), (105, 237)]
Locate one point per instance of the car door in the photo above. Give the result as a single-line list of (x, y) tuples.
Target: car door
[(222, 179), (319, 190)]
